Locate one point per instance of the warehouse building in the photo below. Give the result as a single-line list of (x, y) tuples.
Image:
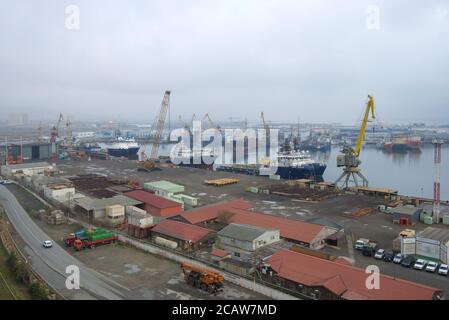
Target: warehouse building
[(96, 208), (207, 216), (241, 241), (431, 243), (59, 192), (27, 169), (163, 188), (29, 151), (336, 280), (185, 236), (406, 215), (219, 215), (155, 205)]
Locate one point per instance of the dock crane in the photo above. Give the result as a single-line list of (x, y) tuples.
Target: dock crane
[(149, 164), (349, 159)]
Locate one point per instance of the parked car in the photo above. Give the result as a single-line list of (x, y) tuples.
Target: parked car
[(432, 266), (47, 244), (369, 249), (398, 258), (408, 262), (380, 254), (420, 264), (443, 270), (389, 256)]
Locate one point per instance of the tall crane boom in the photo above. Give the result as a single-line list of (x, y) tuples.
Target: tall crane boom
[(369, 108), (349, 159), (160, 125)]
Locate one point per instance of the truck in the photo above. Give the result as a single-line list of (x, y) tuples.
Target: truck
[(90, 238), (369, 249), (204, 279), (360, 243)]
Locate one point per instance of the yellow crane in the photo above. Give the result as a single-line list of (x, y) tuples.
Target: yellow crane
[(349, 159)]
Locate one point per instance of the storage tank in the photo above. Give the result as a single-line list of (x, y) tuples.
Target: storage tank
[(166, 243)]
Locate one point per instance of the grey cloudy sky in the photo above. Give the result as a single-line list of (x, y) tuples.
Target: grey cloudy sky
[(313, 59)]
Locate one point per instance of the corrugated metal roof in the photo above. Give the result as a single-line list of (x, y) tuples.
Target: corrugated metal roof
[(88, 203), (406, 210), (345, 281), (164, 185), (438, 234), (152, 199), (242, 232), (211, 212), (182, 231)]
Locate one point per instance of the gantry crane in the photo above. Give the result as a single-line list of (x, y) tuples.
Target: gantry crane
[(349, 159), (150, 163), (202, 278)]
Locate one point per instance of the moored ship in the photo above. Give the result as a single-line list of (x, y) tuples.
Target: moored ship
[(123, 147)]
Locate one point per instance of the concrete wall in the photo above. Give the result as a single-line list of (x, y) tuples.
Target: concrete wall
[(60, 195), (243, 282)]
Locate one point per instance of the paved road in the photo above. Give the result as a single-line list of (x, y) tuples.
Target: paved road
[(51, 263)]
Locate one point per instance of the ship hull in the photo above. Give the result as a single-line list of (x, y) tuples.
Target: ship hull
[(128, 152), (314, 172)]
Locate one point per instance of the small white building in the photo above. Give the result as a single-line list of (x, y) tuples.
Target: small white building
[(60, 192), (241, 240), (138, 217), (26, 169)]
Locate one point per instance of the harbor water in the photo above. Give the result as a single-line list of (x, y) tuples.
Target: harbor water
[(410, 173)]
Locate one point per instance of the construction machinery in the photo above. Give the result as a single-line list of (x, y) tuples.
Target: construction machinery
[(149, 164), (202, 278), (349, 159)]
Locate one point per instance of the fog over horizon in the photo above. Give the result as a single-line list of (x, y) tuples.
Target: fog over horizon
[(312, 60)]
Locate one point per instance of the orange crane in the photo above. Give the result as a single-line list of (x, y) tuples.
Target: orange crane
[(202, 278)]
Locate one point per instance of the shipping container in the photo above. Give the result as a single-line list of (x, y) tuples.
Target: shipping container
[(428, 220)]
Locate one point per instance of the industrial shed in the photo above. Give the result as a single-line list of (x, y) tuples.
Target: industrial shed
[(406, 215), (336, 280), (187, 236), (26, 169), (241, 241), (433, 243), (154, 204), (96, 208), (163, 188)]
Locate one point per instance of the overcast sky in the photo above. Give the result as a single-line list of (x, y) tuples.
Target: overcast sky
[(316, 60)]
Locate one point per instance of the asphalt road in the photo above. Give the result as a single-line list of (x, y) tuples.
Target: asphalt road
[(51, 263)]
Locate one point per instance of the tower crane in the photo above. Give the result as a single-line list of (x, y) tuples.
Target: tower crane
[(349, 159), (149, 164)]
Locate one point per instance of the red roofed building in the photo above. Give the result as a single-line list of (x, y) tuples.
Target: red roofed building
[(325, 279), (155, 205), (209, 214), (304, 233), (187, 236)]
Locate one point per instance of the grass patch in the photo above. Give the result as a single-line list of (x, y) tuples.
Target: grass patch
[(26, 199), (19, 289)]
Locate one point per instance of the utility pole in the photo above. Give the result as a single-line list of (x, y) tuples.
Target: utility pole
[(436, 184)]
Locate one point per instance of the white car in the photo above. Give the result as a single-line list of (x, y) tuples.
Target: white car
[(443, 270), (420, 264), (379, 254), (398, 258), (431, 266), (47, 244)]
